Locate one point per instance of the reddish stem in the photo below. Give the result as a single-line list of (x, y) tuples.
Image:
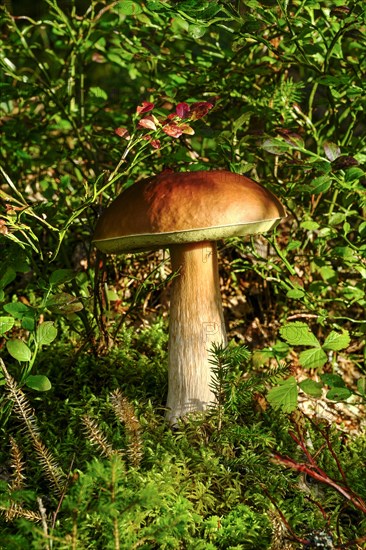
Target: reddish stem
[(315, 472)]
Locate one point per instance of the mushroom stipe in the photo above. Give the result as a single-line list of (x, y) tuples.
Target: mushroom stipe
[(188, 212)]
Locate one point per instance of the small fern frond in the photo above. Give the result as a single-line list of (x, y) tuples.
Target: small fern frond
[(125, 413), (97, 437)]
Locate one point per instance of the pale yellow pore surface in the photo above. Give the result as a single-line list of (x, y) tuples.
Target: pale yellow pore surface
[(196, 321)]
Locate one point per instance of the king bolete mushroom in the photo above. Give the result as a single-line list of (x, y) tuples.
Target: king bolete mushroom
[(187, 213)]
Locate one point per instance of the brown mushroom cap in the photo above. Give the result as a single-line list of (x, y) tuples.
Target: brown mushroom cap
[(184, 207)]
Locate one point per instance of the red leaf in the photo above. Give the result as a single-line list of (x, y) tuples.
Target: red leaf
[(148, 122), (172, 130), (200, 109), (182, 110), (145, 107), (122, 132)]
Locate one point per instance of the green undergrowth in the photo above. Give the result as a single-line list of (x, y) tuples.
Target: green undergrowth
[(93, 464)]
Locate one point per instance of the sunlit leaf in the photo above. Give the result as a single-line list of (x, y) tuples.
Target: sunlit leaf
[(238, 123), (197, 31), (46, 333), (126, 7), (361, 385), (38, 382), (310, 225), (6, 323), (295, 294), (156, 5), (313, 358), (17, 309), (336, 341), (147, 122), (284, 396), (19, 350), (312, 388), (298, 334)]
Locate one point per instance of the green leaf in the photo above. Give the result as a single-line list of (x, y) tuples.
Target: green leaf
[(64, 303), (336, 341), (332, 150), (28, 323), (353, 293), (344, 252), (284, 396), (309, 225), (156, 5), (295, 294), (7, 275), (46, 333), (328, 273), (61, 276), (333, 380), (197, 31), (275, 146), (354, 173), (280, 349), (19, 350), (338, 394), (310, 387), (17, 309), (313, 358), (319, 185), (38, 382), (336, 219), (298, 334), (99, 93), (6, 323), (292, 245), (238, 123), (361, 385), (126, 7)]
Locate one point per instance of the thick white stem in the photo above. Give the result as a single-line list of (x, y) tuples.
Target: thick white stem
[(196, 321)]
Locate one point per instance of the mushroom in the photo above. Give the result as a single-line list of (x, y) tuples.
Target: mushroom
[(188, 212)]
